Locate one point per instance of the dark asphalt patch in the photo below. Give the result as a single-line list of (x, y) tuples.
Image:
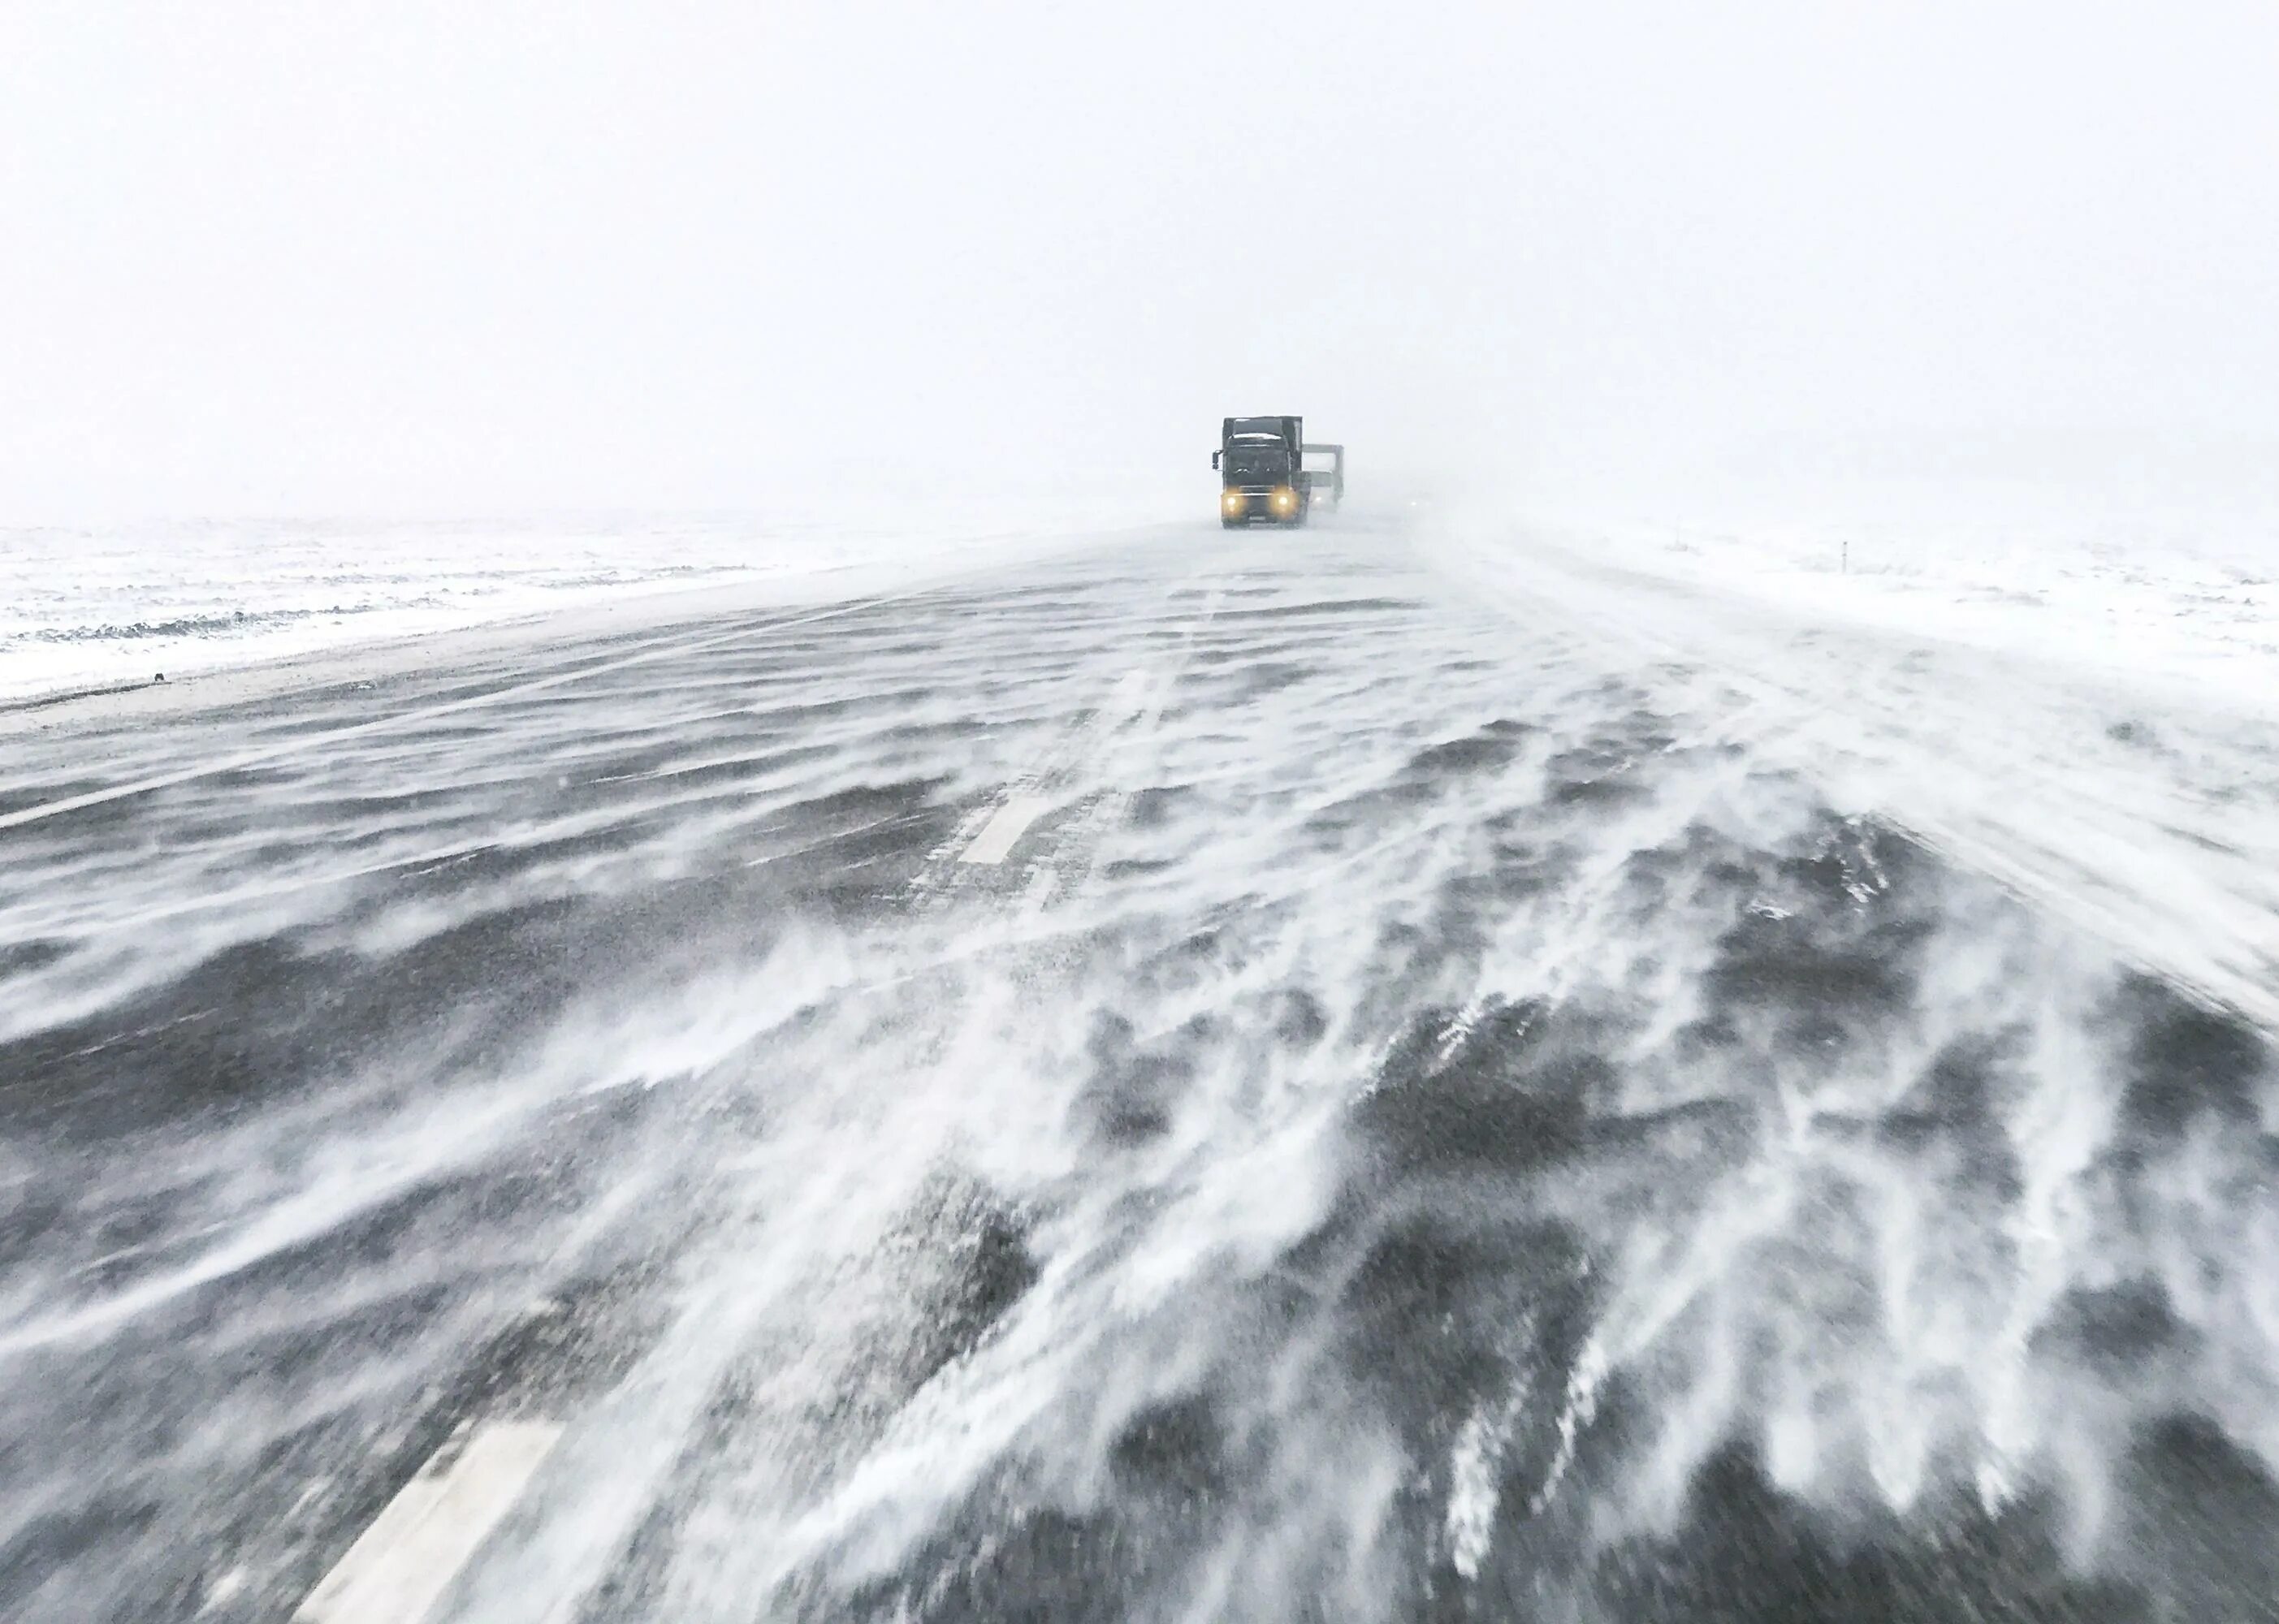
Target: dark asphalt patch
[(1134, 1086), (2186, 1063), (1323, 608), (1747, 1554), (1492, 748)]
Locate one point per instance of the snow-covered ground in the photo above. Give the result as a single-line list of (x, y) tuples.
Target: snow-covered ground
[(2091, 718), (83, 608), (2194, 603)]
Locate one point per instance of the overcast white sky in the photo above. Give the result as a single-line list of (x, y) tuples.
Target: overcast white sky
[(336, 257)]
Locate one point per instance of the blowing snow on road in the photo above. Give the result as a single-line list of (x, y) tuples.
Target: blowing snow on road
[(1396, 1073)]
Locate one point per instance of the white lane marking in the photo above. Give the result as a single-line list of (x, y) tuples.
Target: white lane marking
[(1039, 892), (302, 746), (996, 842), (405, 1560)]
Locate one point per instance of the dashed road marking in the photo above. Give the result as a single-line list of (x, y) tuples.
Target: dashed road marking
[(997, 838), (401, 1565), (1041, 884)]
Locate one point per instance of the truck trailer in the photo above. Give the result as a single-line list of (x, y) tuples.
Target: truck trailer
[(1269, 475)]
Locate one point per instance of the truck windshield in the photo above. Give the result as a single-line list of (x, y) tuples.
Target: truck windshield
[(1258, 467)]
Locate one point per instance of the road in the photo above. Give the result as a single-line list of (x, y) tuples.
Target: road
[(1211, 1077)]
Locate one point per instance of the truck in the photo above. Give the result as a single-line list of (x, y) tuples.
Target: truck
[(1269, 475)]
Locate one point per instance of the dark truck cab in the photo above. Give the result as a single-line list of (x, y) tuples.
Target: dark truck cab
[(1263, 477)]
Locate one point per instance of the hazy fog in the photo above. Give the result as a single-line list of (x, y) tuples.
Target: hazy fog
[(422, 257)]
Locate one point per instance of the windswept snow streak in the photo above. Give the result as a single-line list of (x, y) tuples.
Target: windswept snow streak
[(1423, 1120)]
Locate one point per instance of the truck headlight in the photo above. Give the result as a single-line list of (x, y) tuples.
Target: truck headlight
[(1232, 502), (1284, 500)]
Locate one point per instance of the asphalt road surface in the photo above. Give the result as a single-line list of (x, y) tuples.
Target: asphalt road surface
[(1220, 1077)]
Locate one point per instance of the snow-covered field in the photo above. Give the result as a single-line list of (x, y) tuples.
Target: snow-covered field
[(85, 608), (2192, 603)]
